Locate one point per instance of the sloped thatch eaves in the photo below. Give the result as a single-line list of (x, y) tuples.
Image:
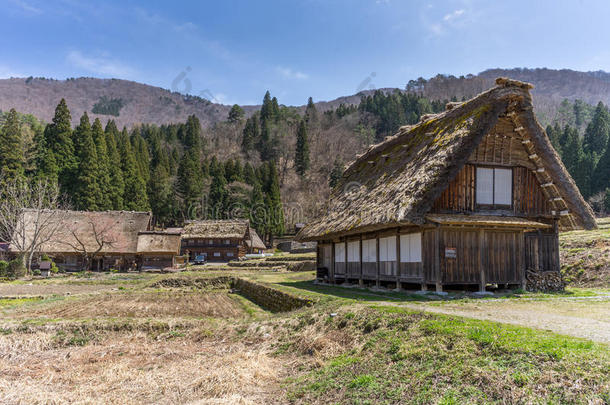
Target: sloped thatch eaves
[(159, 242), (255, 241), (118, 230), (489, 220), (397, 181), (216, 229)]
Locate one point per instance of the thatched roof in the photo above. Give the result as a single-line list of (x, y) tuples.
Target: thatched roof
[(116, 231), (159, 242), (216, 229), (397, 181), (255, 241)]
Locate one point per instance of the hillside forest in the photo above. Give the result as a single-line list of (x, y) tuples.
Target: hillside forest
[(275, 167)]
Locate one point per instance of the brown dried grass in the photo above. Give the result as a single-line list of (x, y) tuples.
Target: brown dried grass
[(136, 368)]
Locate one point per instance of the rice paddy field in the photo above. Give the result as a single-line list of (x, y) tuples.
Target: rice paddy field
[(192, 337)]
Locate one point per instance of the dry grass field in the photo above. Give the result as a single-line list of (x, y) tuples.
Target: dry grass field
[(179, 339)]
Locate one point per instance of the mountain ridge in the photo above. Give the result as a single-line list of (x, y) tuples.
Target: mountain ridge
[(137, 103)]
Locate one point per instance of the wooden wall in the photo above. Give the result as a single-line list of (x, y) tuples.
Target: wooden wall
[(459, 255), (502, 146), (460, 195), (464, 268)]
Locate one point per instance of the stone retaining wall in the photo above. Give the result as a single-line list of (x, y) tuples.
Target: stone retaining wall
[(269, 298)]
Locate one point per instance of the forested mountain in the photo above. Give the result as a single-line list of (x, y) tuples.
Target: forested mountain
[(272, 164)]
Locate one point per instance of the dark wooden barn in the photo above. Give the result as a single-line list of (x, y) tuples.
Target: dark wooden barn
[(475, 195), (220, 240)]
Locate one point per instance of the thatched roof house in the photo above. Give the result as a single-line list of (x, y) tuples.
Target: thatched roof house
[(255, 241), (159, 242), (116, 231), (216, 229), (485, 163), (224, 239)]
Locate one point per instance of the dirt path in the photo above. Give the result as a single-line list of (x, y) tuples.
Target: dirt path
[(589, 319)]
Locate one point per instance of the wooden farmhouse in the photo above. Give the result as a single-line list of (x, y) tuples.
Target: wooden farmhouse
[(475, 195), (158, 249), (119, 240), (220, 240)]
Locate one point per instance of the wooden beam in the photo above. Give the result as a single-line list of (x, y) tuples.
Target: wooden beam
[(332, 262), (361, 280), (377, 257), (397, 258), (437, 258), (481, 260)]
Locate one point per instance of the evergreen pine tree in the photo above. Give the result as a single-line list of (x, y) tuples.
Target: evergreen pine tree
[(335, 174), (134, 196), (598, 131), (236, 114), (250, 134), (572, 150), (86, 189), (103, 166), (46, 167), (11, 148), (58, 138), (190, 183), (219, 195), (266, 108), (142, 157), (116, 187), (258, 217), (273, 200), (301, 158), (250, 176), (582, 173), (311, 113), (601, 175)]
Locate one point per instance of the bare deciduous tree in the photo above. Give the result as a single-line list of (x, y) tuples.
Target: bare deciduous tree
[(90, 242), (31, 214)]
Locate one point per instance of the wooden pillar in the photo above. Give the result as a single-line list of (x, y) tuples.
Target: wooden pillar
[(398, 258), (332, 262), (377, 257), (481, 260), (437, 258), (345, 258), (522, 262), (556, 242), (540, 252), (360, 280)]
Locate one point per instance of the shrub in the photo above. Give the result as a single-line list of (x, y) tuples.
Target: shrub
[(16, 268), (54, 268), (36, 272), (4, 269)]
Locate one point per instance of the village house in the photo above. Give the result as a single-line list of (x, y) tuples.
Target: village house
[(104, 240), (220, 240), (474, 196)]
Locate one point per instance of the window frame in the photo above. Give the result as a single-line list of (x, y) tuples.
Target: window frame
[(493, 205)]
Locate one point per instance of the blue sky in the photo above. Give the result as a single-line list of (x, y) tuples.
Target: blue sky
[(233, 51)]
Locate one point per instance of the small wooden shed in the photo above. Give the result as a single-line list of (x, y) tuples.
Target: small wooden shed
[(475, 195)]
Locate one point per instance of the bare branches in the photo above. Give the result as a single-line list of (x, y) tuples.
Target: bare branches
[(30, 214)]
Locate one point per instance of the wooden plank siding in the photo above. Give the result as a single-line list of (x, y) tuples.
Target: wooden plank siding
[(460, 194), (502, 257), (541, 251), (464, 268)]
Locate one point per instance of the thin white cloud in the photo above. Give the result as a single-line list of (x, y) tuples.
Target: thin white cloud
[(27, 7), (453, 15), (291, 74), (102, 65), (439, 27)]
